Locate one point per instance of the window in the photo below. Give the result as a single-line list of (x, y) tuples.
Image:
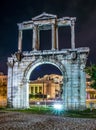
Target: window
[(35, 89), (40, 89), (32, 89)]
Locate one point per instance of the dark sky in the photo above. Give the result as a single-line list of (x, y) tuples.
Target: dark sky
[(43, 70), (16, 11)]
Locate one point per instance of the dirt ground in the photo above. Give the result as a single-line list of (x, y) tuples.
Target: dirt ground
[(26, 121)]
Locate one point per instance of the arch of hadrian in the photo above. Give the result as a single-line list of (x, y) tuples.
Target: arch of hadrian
[(71, 62)]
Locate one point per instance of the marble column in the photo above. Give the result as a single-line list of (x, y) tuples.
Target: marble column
[(20, 41), (72, 34), (35, 38), (53, 37), (38, 39), (57, 44)]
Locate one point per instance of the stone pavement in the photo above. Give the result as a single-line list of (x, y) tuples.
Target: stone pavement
[(26, 121)]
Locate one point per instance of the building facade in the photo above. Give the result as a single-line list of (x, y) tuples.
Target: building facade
[(90, 93), (48, 87), (3, 89)]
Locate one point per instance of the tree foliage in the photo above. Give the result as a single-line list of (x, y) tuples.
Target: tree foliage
[(91, 70)]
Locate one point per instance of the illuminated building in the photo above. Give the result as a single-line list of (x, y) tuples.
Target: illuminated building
[(3, 89), (90, 93), (49, 86)]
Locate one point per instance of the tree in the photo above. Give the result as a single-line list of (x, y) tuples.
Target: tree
[(91, 70)]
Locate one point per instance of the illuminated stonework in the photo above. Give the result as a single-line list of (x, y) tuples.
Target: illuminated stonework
[(71, 62)]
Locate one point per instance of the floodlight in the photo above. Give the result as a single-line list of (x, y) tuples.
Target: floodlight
[(57, 106)]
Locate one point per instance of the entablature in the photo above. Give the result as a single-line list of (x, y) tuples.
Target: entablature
[(45, 20)]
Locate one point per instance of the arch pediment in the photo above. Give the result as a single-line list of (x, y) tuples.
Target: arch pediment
[(44, 16)]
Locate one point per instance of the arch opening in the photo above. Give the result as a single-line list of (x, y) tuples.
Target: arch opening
[(46, 83)]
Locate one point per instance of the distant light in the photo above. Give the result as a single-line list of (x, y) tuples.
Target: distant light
[(38, 103), (48, 96), (58, 106)]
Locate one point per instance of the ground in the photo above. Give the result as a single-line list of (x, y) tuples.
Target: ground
[(27, 121)]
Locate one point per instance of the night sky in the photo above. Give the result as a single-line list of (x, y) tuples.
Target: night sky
[(16, 11)]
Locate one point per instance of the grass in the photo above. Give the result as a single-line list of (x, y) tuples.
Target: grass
[(82, 114), (36, 110), (32, 110), (50, 111)]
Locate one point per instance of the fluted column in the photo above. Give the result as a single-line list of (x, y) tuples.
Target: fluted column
[(35, 38), (53, 37), (20, 41), (57, 44), (72, 34), (38, 39)]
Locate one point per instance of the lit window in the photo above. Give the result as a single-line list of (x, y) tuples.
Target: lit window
[(32, 89), (40, 89), (35, 89)]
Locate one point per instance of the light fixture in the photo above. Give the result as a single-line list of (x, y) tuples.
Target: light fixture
[(58, 106)]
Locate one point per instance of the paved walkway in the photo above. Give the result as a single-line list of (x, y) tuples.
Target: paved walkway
[(22, 121)]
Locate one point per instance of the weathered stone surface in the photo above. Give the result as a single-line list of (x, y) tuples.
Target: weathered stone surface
[(72, 70), (70, 62)]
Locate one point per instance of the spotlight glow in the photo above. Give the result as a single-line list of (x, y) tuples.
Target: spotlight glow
[(58, 106)]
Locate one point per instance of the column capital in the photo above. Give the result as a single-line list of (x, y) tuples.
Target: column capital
[(72, 22)]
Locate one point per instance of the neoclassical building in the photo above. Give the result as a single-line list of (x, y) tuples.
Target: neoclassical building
[(90, 93), (3, 89), (49, 86)]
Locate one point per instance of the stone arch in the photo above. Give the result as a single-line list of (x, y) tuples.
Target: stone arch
[(36, 63), (23, 63)]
